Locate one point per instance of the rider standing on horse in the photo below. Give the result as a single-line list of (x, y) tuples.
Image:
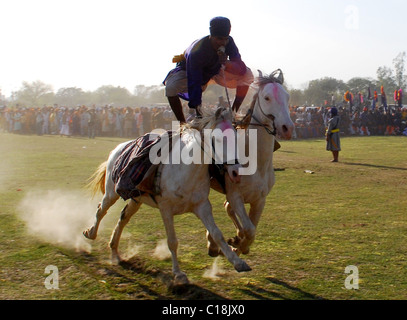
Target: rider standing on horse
[(214, 57)]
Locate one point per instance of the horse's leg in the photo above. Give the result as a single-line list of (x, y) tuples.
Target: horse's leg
[(246, 230), (213, 249), (204, 212), (128, 211), (239, 229), (256, 210), (108, 200), (180, 277)]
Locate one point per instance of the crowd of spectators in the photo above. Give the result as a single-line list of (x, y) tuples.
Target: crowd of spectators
[(311, 122), (129, 122), (107, 121)]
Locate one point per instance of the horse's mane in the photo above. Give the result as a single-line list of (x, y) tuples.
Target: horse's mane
[(208, 120)]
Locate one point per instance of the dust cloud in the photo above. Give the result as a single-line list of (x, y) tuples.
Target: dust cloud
[(161, 251), (215, 270), (58, 217), (132, 247)]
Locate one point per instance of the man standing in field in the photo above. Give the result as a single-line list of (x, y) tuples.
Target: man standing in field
[(333, 142), (214, 57)]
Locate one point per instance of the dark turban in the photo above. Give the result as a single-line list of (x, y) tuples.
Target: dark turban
[(220, 27), (334, 112)]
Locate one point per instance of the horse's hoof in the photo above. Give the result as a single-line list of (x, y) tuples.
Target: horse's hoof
[(234, 242), (242, 266), (181, 279), (115, 259), (213, 252), (89, 234), (237, 251)]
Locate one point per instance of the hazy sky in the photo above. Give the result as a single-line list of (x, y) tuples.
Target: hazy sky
[(90, 43)]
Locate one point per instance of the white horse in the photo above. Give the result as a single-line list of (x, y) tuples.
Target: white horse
[(184, 188), (269, 116)]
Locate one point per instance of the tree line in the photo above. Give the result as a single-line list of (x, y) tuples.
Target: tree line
[(317, 92), (324, 90)]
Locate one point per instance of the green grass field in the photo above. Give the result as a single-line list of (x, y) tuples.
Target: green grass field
[(352, 213)]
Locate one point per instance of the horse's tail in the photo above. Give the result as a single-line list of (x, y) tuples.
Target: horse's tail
[(97, 180)]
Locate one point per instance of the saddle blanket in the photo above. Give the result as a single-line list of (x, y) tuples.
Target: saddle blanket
[(134, 175), (133, 168)]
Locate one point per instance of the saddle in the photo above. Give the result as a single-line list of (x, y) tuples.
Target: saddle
[(133, 173)]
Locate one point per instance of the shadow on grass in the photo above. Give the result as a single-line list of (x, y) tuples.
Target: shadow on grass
[(373, 166), (291, 292), (136, 265), (184, 292)]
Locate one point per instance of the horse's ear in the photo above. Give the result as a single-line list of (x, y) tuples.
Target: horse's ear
[(278, 76), (260, 73), (218, 113)]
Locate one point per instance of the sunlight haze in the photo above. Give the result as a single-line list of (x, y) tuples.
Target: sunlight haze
[(87, 44)]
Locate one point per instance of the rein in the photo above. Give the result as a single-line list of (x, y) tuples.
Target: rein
[(226, 88)]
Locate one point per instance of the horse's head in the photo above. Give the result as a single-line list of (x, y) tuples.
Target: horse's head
[(220, 140), (272, 105)]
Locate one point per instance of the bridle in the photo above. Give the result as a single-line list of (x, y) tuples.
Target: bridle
[(266, 126), (249, 117)]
